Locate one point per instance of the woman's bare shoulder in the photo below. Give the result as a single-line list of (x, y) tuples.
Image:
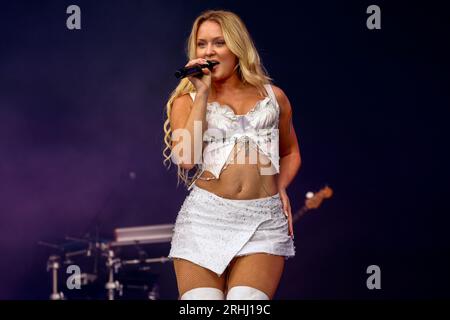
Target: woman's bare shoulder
[(282, 99), (184, 100), (279, 94), (181, 107)]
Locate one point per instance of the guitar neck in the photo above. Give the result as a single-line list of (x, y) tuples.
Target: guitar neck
[(299, 214), (313, 202)]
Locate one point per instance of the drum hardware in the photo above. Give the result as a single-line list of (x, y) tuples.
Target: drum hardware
[(134, 238), (87, 278), (53, 265), (50, 245), (139, 282), (154, 293), (120, 266), (143, 235), (113, 265), (77, 253), (74, 251), (148, 261)]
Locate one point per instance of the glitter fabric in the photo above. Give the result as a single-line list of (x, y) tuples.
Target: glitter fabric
[(211, 230), (225, 129)]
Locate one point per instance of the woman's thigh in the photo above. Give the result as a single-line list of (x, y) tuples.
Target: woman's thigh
[(260, 270), (190, 275)]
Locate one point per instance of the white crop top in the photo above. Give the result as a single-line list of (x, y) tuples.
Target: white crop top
[(259, 127)]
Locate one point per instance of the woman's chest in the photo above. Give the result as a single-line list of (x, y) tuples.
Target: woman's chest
[(263, 114)]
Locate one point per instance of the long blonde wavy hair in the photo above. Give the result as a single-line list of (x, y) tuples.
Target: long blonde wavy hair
[(249, 69)]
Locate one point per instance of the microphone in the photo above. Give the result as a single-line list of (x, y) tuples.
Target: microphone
[(195, 71)]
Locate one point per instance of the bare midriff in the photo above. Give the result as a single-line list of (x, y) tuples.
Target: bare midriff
[(242, 179)]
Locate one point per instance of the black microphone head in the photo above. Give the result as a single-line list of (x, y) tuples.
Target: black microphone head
[(178, 74), (194, 70)]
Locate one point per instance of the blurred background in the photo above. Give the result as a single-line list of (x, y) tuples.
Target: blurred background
[(81, 137)]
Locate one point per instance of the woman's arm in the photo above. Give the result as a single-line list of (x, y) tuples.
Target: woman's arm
[(188, 120), (290, 159), (184, 115)]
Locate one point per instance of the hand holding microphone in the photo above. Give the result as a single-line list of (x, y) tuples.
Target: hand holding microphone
[(195, 70), (198, 71)]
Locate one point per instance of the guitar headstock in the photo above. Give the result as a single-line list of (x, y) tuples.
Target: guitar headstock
[(317, 198)]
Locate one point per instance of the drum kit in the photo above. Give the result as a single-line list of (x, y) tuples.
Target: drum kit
[(118, 269)]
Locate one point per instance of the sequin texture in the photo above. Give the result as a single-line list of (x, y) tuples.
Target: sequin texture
[(211, 230), (225, 129)]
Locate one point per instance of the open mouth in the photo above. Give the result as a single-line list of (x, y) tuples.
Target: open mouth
[(215, 66), (212, 60)]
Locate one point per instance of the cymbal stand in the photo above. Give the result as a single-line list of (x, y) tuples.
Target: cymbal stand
[(112, 264), (53, 265)]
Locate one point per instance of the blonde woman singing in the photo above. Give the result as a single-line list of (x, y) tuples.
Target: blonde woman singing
[(234, 230)]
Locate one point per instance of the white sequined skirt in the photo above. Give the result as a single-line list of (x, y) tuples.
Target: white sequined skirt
[(210, 230)]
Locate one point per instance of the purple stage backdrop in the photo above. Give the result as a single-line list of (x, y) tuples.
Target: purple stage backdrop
[(81, 135)]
